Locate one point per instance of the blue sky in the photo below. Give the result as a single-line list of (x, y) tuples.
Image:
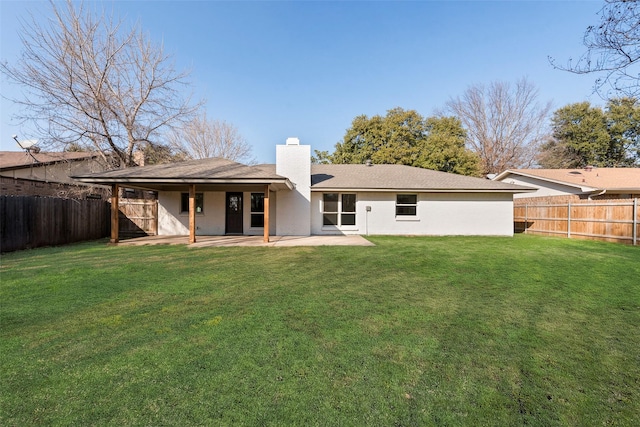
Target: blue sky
[(306, 69)]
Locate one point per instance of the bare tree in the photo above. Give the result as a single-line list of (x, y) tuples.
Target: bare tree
[(505, 123), (89, 82), (202, 138), (613, 49)]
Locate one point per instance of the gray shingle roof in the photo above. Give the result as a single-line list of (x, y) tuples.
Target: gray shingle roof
[(20, 159), (213, 171), (213, 168), (399, 177), (323, 177)]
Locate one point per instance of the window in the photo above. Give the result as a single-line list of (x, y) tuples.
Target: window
[(184, 202), (406, 204), (348, 215), (257, 209), (338, 209)]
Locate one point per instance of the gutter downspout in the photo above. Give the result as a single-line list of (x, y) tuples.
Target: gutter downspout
[(596, 195)]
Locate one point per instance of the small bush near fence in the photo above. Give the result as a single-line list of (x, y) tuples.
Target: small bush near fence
[(31, 221), (609, 220)]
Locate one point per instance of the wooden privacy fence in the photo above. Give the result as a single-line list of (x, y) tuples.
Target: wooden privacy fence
[(137, 217), (611, 221), (31, 221)]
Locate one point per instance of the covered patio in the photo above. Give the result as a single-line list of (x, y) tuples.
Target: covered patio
[(193, 177), (226, 241)]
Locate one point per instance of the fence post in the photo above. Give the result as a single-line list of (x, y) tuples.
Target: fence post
[(568, 220), (635, 221), (526, 221)]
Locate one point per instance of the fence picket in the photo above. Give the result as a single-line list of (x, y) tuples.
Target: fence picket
[(32, 221), (138, 217), (605, 220)]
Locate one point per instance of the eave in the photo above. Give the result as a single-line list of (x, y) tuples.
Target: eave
[(167, 184), (421, 190), (583, 188)]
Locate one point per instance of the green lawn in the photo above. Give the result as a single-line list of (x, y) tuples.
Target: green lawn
[(411, 332)]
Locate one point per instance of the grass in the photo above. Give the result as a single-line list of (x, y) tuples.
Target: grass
[(413, 331)]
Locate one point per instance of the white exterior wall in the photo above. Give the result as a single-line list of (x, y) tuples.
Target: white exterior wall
[(293, 209), (545, 188), (437, 214), (211, 222)]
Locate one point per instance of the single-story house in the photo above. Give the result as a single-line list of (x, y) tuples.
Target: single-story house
[(587, 183), (295, 198), (48, 167), (35, 173)]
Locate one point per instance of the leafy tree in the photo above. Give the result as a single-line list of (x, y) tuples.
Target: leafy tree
[(585, 135), (444, 148), (505, 123), (320, 157), (623, 119), (405, 137), (613, 50), (89, 82)]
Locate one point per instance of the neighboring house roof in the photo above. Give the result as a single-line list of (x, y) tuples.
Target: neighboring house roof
[(587, 180), (400, 177), (205, 171), (21, 159)]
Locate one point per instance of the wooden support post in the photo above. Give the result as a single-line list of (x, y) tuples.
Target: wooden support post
[(157, 219), (115, 213), (192, 213), (266, 213)]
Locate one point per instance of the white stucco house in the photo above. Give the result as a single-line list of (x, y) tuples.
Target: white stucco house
[(295, 198)]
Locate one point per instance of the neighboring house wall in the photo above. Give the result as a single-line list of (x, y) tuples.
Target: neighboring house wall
[(28, 187), (293, 209), (436, 214), (21, 175), (545, 188), (211, 222), (55, 172), (617, 195)]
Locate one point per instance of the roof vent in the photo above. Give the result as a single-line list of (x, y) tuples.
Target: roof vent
[(293, 141)]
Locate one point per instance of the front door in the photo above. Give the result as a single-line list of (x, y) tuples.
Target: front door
[(234, 213)]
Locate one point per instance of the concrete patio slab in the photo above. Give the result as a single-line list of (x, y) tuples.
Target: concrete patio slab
[(220, 241)]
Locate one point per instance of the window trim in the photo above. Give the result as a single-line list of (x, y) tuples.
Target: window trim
[(339, 212)]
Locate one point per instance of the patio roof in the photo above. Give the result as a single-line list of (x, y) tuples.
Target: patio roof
[(207, 173)]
